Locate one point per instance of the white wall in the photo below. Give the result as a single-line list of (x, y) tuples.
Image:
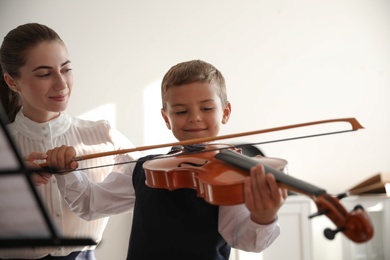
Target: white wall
[(285, 62)]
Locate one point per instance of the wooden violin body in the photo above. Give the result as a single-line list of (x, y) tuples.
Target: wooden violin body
[(217, 183)]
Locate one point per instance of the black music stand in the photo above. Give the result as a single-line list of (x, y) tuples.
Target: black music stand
[(24, 221)]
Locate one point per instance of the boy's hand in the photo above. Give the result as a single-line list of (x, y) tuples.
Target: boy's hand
[(41, 177), (263, 196), (61, 158)]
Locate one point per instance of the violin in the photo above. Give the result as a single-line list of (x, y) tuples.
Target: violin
[(218, 176), (217, 173)]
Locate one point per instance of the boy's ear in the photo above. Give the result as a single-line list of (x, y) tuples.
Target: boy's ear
[(226, 113), (10, 82), (166, 119)]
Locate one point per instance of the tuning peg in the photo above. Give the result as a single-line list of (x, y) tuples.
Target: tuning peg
[(342, 195), (330, 234), (358, 207), (319, 213)]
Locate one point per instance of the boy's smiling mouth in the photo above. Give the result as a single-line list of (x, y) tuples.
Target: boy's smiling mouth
[(195, 129)]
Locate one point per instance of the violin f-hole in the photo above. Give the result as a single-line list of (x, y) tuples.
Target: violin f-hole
[(192, 164)]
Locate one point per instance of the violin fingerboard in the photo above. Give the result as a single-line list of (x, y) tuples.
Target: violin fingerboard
[(246, 163)]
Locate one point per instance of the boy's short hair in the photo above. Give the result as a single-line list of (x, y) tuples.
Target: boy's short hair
[(194, 71)]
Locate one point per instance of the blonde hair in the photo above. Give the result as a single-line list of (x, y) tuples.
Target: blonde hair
[(194, 71)]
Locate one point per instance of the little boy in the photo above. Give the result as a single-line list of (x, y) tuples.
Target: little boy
[(178, 224)]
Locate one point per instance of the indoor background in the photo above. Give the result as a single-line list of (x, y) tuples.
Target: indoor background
[(285, 62)]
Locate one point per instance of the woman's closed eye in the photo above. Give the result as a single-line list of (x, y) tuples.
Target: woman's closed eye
[(44, 75), (47, 74), (66, 70)]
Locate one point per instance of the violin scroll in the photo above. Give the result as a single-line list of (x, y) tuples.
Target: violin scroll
[(356, 225)]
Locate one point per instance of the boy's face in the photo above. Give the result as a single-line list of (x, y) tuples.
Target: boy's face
[(194, 111)]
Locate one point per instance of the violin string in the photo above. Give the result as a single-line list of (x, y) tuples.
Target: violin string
[(205, 150)]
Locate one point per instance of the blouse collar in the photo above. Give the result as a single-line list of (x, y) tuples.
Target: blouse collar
[(42, 131)]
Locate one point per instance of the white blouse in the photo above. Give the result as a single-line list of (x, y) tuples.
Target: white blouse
[(87, 137)]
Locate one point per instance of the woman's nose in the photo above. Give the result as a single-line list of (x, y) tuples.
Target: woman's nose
[(60, 82)]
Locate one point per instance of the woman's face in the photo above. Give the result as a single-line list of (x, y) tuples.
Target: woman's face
[(45, 81)]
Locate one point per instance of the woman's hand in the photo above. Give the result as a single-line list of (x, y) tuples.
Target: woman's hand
[(61, 158), (38, 178)]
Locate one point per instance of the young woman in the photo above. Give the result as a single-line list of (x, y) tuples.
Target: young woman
[(36, 83)]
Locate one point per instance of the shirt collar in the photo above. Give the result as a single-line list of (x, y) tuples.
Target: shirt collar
[(42, 131)]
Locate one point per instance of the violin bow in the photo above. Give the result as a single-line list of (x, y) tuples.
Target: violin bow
[(355, 125), (352, 121)]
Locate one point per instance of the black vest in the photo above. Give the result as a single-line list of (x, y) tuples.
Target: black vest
[(173, 224)]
